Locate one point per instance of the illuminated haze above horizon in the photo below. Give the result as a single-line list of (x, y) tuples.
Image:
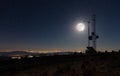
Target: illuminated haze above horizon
[(49, 25)]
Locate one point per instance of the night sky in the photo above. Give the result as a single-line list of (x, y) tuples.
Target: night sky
[(49, 25)]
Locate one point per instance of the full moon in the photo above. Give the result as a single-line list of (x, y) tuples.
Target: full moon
[(80, 27)]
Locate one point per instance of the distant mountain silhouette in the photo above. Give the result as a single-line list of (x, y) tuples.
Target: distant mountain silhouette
[(29, 53), (14, 53)]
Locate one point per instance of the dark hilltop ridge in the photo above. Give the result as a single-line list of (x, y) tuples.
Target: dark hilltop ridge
[(13, 53), (72, 64)]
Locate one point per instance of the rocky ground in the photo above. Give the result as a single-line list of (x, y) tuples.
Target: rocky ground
[(88, 65)]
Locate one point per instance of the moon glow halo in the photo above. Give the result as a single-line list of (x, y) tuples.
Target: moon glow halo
[(80, 27)]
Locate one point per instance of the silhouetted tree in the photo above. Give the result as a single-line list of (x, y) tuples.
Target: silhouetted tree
[(119, 51), (106, 51), (113, 51)]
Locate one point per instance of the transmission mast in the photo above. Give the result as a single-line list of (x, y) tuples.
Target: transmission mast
[(92, 36)]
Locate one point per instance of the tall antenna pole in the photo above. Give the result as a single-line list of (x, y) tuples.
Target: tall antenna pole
[(92, 37), (94, 31), (88, 33)]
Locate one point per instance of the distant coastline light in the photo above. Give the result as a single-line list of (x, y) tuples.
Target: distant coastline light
[(80, 27)]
